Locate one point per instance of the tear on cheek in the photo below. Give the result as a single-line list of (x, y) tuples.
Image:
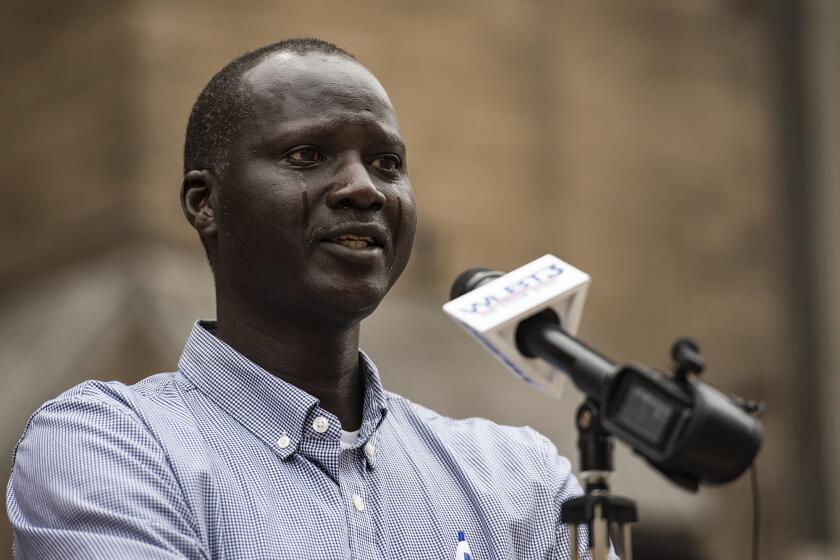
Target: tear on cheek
[(304, 204), (304, 201), (399, 223)]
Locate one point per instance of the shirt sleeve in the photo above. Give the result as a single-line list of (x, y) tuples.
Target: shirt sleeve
[(89, 480)]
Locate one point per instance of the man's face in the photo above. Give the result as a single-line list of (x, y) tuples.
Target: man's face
[(315, 215)]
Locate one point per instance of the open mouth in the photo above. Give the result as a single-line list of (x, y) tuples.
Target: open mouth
[(366, 242), (354, 241)]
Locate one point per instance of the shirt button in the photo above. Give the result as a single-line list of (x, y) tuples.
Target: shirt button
[(370, 449), (358, 502), (283, 442), (320, 424)]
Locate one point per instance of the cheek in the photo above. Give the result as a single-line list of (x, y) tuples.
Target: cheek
[(407, 217), (259, 216), (406, 224)]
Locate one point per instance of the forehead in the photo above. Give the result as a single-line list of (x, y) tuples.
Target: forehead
[(287, 87)]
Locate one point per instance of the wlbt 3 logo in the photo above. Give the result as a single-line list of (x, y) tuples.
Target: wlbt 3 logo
[(515, 290)]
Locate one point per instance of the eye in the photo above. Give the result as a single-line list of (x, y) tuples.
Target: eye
[(305, 155), (388, 162)]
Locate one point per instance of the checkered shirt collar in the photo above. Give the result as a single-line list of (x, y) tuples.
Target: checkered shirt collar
[(261, 401)]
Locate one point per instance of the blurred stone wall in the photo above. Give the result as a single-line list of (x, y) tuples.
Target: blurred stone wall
[(636, 140)]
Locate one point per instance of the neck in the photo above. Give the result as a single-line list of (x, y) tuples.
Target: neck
[(324, 362)]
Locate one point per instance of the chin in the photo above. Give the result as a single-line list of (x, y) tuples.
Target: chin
[(356, 306), (347, 303)]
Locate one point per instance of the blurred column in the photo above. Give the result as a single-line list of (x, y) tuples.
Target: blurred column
[(823, 20), (796, 167), (810, 90)]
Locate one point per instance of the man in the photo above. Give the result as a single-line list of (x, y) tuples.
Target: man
[(275, 438)]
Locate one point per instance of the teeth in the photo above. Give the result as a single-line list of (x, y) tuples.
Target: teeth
[(354, 241), (354, 237)]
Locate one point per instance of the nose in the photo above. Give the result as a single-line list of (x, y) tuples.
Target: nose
[(355, 189)]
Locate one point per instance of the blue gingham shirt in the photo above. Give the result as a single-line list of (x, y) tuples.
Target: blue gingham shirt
[(222, 459)]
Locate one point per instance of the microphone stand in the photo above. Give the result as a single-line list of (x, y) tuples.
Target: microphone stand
[(541, 336), (599, 510)]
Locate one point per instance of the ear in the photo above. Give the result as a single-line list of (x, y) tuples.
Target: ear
[(199, 193)]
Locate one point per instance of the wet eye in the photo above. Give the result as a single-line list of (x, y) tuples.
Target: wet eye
[(388, 162), (305, 155)]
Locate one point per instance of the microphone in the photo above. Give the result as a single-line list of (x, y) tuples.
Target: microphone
[(686, 429)]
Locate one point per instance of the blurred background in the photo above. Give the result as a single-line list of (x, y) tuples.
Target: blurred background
[(684, 154)]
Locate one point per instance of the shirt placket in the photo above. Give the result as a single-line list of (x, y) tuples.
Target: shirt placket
[(351, 475)]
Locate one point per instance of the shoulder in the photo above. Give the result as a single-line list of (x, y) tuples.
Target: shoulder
[(94, 436), (156, 390), (80, 455), (480, 439), (118, 394), (93, 406)]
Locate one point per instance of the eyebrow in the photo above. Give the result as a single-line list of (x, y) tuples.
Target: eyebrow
[(323, 126)]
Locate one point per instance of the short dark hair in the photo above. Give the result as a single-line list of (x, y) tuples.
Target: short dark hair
[(218, 110)]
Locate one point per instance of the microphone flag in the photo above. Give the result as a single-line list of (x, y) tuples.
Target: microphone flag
[(492, 312)]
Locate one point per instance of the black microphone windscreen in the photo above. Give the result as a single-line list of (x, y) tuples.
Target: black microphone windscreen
[(471, 279)]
